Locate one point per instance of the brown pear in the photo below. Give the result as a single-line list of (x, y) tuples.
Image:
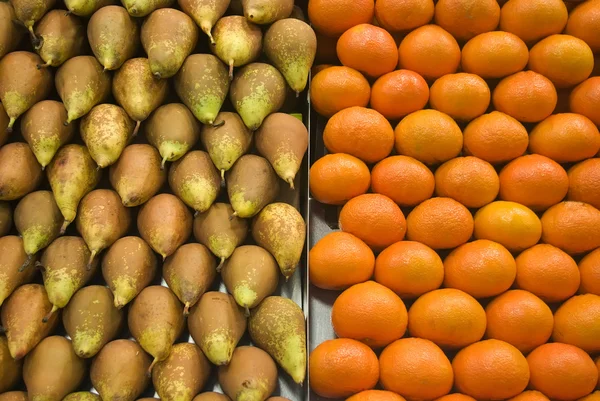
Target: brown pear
[(237, 41), (12, 259), (182, 375), (267, 11), (189, 272), (6, 219), (142, 8), (20, 173), (82, 396), (14, 396), (4, 131), (10, 34), (29, 12), (128, 267), (61, 37), (10, 369), (165, 223), (250, 376), (155, 320), (92, 320), (205, 12), (217, 324), (85, 8), (209, 396)]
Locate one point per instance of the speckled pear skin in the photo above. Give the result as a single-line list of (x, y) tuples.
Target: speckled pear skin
[(85, 8), (20, 173), (250, 376), (142, 8), (207, 396), (109, 377), (205, 13), (267, 11), (6, 220), (82, 396), (38, 220), (92, 320), (29, 12), (61, 37), (12, 259), (10, 369), (237, 41), (10, 34), (182, 375)]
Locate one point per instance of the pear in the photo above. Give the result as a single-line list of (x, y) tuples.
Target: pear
[(106, 130), (85, 8), (267, 11), (210, 396), (61, 37), (173, 130), (189, 272), (128, 267), (251, 185), (280, 229), (182, 375), (221, 233), (155, 321), (6, 220), (113, 36), (12, 259), (10, 35), (91, 320), (250, 275), (137, 175), (64, 269), (250, 376), (237, 41), (291, 45), (4, 120), (217, 324), (14, 396), (202, 84), (20, 173), (22, 84), (257, 90), (195, 180), (72, 174), (283, 140), (165, 223), (205, 13), (29, 12), (10, 369), (137, 91), (142, 8), (82, 396), (43, 129), (52, 370)]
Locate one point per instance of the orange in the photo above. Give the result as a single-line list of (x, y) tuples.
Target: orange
[(547, 272), (481, 268), (595, 396), (403, 15), (527, 96), (490, 370), (440, 223), (597, 361), (368, 49), (337, 178), (564, 59), (375, 219), (429, 136), (399, 93), (337, 88), (334, 17), (430, 51), (465, 19), (375, 395), (462, 96), (519, 318), (495, 137), (360, 132), (584, 23), (584, 182), (494, 55), (342, 367), (409, 268), (508, 223), (405, 180), (589, 270), (534, 181), (456, 397), (562, 371), (530, 395), (370, 313), (450, 318), (572, 226), (339, 260), (585, 99), (416, 369), (468, 180), (532, 20), (577, 322), (566, 137)]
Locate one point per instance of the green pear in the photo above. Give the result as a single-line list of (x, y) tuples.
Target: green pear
[(85, 8), (10, 369), (250, 376), (205, 13), (61, 38), (267, 11), (142, 8), (13, 264), (20, 173), (82, 396), (29, 12), (237, 41), (6, 219), (10, 34)]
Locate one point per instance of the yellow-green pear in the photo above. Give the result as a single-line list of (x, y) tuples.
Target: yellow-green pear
[(61, 37), (142, 8), (250, 376), (29, 12), (237, 41), (85, 8), (267, 11), (205, 12)]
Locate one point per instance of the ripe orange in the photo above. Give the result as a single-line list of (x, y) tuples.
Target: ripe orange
[(530, 395), (562, 371), (403, 179), (429, 136), (572, 226), (577, 322), (532, 20), (566, 137), (360, 132), (375, 219), (462, 96), (342, 367), (399, 93), (490, 370), (440, 223), (456, 397), (465, 19), (595, 396), (584, 21), (403, 15), (597, 361), (527, 96), (589, 270), (409, 268), (585, 99), (337, 88), (375, 395), (430, 51), (450, 318), (334, 17), (370, 313), (468, 180), (584, 182), (416, 369), (508, 223), (494, 55), (547, 272), (534, 181), (520, 318), (495, 137), (339, 260), (337, 178)]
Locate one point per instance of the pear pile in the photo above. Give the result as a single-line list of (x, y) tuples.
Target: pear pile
[(141, 143)]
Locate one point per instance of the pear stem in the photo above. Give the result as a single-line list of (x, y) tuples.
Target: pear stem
[(91, 260), (186, 309), (34, 39), (219, 124), (297, 93), (68, 13), (64, 226), (49, 315), (40, 266), (231, 70), (162, 164), (291, 182), (137, 128), (25, 264), (149, 372), (220, 266), (222, 175), (246, 311), (206, 27), (45, 65), (233, 215), (9, 128)]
